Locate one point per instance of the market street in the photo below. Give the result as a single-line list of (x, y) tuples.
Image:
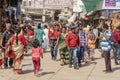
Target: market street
[(51, 70)]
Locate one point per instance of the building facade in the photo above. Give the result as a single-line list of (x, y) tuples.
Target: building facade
[(58, 4), (49, 8), (33, 4)]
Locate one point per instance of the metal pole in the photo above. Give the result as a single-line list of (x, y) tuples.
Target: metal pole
[(1, 15), (43, 14)]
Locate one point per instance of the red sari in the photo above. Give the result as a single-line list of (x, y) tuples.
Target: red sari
[(1, 61), (18, 50), (30, 36)]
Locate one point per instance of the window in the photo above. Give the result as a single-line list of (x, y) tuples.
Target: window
[(41, 3), (29, 3), (24, 3)]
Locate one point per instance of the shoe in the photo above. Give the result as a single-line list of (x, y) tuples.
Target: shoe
[(86, 62), (92, 59), (70, 66), (79, 64), (109, 71), (5, 67), (65, 63), (116, 63), (75, 67), (62, 64), (11, 66)]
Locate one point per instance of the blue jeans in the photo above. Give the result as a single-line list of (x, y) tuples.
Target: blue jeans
[(73, 55), (82, 50), (79, 56), (116, 51), (55, 54), (40, 42), (53, 51)]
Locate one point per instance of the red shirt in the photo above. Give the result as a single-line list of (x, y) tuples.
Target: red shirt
[(72, 40), (30, 32), (56, 34), (50, 32), (115, 35)]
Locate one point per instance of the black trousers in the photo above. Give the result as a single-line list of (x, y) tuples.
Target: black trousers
[(6, 62), (107, 60)]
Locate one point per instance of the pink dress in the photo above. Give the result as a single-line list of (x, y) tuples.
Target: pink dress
[(37, 52)]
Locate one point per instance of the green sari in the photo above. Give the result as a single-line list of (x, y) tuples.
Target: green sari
[(64, 53)]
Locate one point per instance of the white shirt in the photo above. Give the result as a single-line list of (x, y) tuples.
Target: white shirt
[(46, 33)]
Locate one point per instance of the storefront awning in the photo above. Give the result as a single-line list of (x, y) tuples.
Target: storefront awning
[(34, 14), (91, 4)]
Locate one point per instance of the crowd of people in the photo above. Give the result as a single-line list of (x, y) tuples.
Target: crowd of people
[(74, 42)]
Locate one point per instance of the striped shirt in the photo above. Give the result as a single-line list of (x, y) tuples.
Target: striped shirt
[(106, 46), (83, 38)]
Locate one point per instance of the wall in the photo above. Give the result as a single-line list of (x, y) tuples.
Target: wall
[(35, 4)]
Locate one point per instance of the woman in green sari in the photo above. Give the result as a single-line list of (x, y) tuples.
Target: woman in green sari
[(61, 45)]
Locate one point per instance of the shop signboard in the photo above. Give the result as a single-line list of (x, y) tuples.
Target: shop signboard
[(111, 4)]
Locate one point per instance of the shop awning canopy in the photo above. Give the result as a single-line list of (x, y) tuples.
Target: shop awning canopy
[(34, 14), (91, 4)]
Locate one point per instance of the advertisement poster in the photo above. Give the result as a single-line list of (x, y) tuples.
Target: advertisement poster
[(110, 2)]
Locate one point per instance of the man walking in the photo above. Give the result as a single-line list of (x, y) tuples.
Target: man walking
[(116, 37), (106, 47), (72, 42), (39, 34), (83, 45), (6, 36)]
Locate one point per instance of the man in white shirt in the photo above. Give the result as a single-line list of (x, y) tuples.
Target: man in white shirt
[(45, 38)]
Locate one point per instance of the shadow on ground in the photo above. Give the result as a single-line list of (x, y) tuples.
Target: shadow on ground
[(89, 63), (116, 68), (46, 51), (27, 65), (98, 58), (27, 71), (46, 73)]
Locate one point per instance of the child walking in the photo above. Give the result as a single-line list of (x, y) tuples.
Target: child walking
[(36, 54), (91, 46)]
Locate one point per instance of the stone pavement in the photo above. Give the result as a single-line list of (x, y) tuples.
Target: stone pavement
[(51, 70)]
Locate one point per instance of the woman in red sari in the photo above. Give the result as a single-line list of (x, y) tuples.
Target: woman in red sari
[(19, 45)]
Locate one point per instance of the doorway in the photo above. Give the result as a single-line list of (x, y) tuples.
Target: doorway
[(56, 17)]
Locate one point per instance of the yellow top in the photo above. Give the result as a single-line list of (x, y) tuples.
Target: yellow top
[(91, 43), (21, 25)]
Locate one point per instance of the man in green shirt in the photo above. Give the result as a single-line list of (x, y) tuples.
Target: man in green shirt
[(39, 34)]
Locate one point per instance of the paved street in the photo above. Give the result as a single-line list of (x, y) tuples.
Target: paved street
[(51, 70)]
